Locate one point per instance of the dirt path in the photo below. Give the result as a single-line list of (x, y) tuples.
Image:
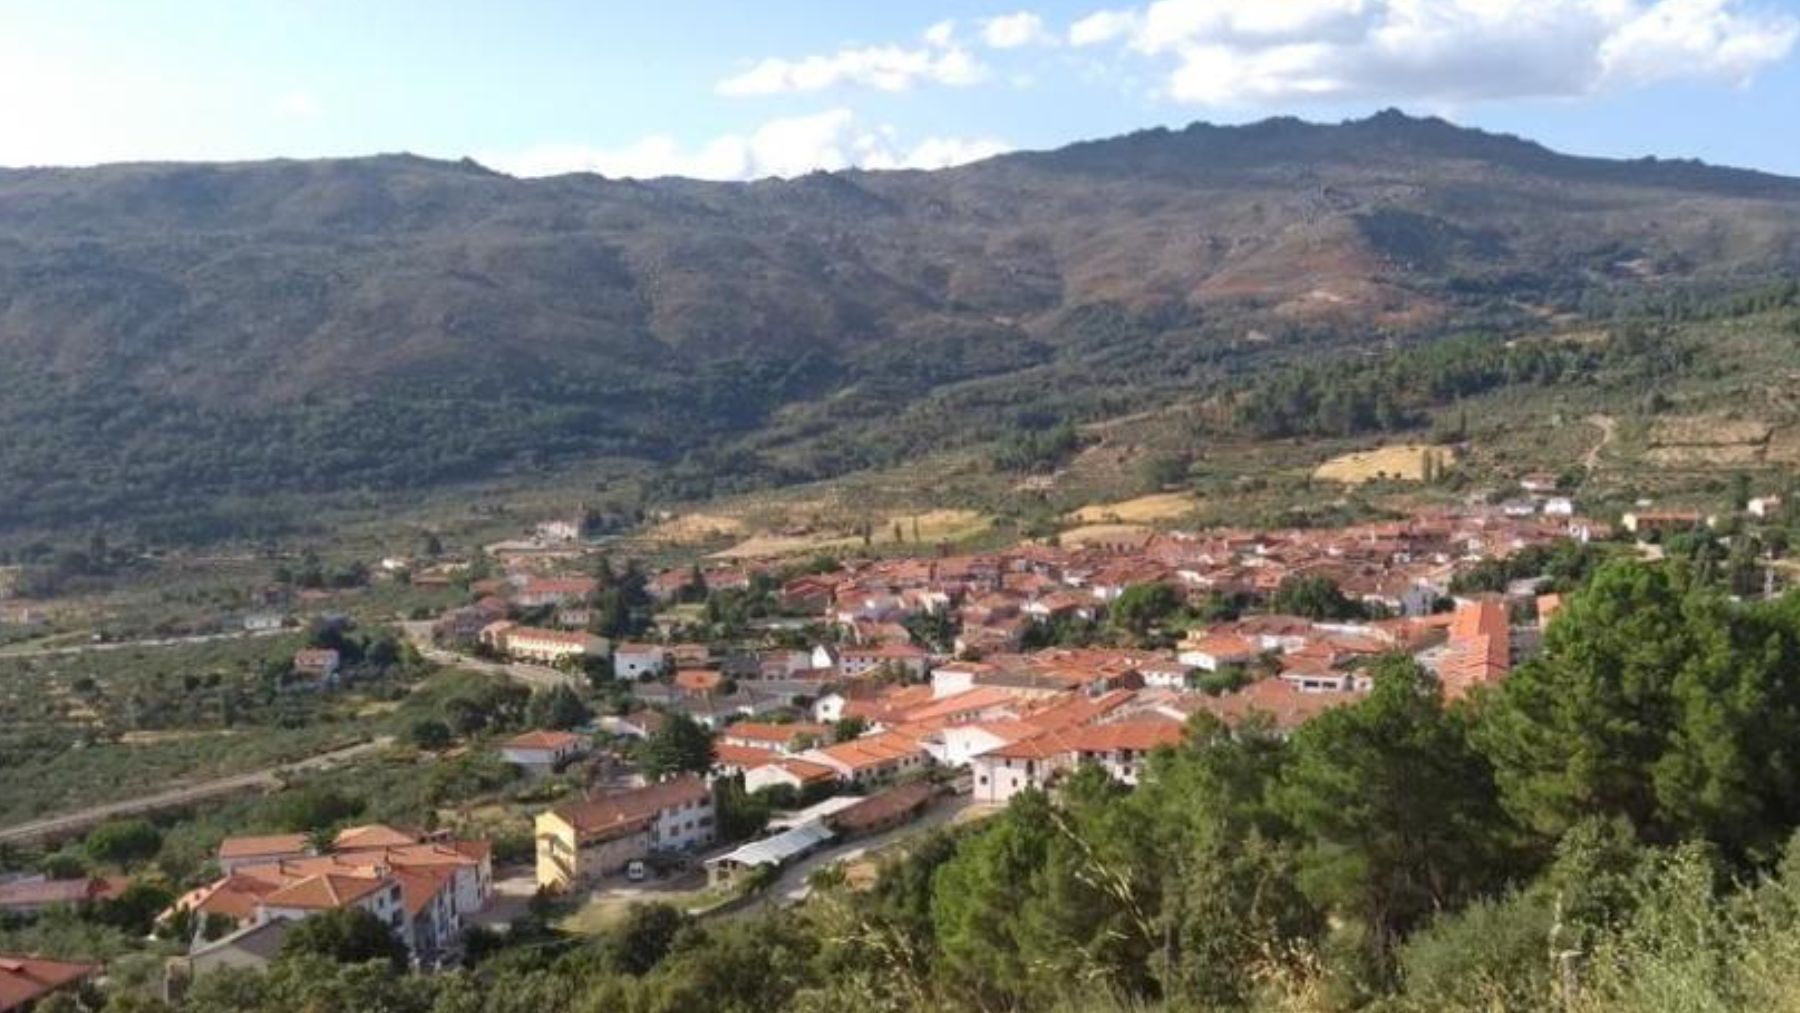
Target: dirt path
[(268, 777), (129, 645), (1609, 428), (535, 676)]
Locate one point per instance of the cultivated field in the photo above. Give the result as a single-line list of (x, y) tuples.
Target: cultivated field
[(1104, 534), (1165, 506), (1405, 461), (893, 529), (697, 528), (1708, 431)]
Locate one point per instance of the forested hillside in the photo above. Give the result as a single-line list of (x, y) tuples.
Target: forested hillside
[(190, 343)]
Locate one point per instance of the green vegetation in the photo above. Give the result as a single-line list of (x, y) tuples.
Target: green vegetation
[(681, 746), (1613, 828), (1396, 391), (347, 936), (1317, 598), (809, 329)]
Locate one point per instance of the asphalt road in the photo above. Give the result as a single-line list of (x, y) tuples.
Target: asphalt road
[(792, 886), (268, 777)]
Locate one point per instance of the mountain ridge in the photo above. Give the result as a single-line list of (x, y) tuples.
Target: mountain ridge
[(574, 316)]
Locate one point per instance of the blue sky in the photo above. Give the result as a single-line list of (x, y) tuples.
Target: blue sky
[(735, 89)]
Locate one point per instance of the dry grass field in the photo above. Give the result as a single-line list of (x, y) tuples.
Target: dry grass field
[(1404, 461), (1166, 506), (696, 528), (1722, 455), (1784, 446), (1104, 534), (1708, 431), (928, 527)]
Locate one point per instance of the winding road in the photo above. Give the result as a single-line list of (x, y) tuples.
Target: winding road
[(535, 676), (1609, 428)]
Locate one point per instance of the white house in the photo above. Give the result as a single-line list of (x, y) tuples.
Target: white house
[(829, 708), (327, 891), (1165, 674), (958, 745), (542, 751), (1214, 651), (550, 646), (796, 774), (903, 658), (639, 661), (956, 677)]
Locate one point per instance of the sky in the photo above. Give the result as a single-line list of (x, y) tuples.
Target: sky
[(739, 89)]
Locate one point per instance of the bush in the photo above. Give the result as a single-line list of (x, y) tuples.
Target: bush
[(123, 842), (346, 935)]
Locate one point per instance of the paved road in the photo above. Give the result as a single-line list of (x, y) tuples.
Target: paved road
[(792, 887), (125, 645), (535, 676), (268, 777)]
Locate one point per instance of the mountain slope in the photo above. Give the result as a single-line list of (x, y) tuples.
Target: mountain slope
[(178, 333)]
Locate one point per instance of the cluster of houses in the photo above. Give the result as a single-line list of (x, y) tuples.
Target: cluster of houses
[(868, 712), (424, 887), (1005, 724)]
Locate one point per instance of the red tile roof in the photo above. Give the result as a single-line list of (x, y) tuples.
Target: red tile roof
[(629, 811), (324, 892), (779, 734), (260, 847), (542, 739), (883, 807), (25, 979), (1139, 735), (743, 757), (871, 751), (373, 835), (42, 893)]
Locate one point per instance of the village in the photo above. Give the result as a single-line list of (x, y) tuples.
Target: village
[(873, 699)]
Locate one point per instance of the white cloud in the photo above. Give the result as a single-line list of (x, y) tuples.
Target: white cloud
[(1697, 38), (1015, 31), (885, 68), (1246, 52), (1103, 26), (785, 147)]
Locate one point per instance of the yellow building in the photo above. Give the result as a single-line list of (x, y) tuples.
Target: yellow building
[(583, 841)]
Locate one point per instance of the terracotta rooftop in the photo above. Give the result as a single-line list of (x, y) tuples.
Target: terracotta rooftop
[(259, 847), (324, 892), (26, 979), (40, 893), (542, 739), (627, 811), (373, 835)]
